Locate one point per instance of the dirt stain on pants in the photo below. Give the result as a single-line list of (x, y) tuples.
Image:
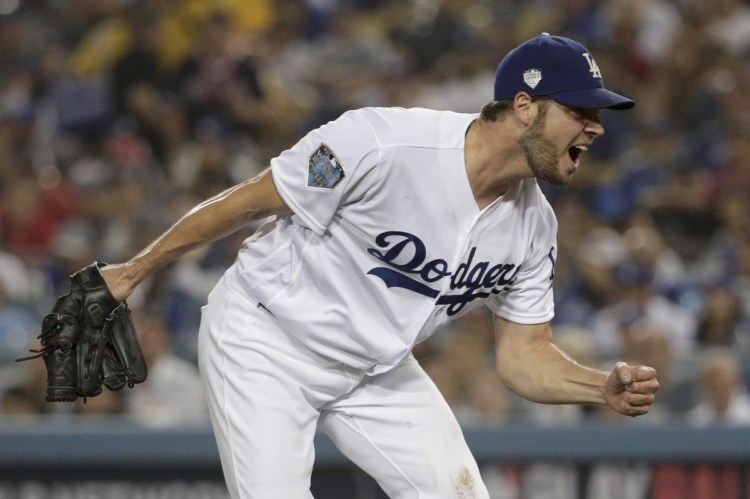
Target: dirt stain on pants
[(464, 485)]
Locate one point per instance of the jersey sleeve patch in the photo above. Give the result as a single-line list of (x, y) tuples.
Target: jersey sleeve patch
[(324, 170)]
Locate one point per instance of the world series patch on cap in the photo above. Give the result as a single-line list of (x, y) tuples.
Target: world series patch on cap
[(559, 68)]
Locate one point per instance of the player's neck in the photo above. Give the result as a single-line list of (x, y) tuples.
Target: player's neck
[(494, 160)]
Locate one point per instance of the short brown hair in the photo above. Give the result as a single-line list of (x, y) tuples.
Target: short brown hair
[(495, 109)]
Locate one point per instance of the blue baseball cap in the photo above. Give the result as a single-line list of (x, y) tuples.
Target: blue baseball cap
[(557, 67)]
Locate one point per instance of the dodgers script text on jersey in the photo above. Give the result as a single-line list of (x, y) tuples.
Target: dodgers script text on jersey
[(406, 254)]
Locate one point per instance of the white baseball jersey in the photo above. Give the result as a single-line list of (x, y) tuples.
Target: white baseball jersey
[(387, 242)]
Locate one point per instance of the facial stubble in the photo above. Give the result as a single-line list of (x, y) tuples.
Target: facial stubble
[(541, 154)]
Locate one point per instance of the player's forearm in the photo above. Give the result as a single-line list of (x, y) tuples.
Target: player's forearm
[(208, 221), (546, 375), (214, 218)]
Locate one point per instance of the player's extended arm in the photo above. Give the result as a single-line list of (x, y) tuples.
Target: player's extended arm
[(210, 220), (532, 366)]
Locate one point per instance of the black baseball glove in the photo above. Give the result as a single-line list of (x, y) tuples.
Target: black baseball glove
[(88, 340)]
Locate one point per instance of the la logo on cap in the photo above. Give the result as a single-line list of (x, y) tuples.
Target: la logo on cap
[(593, 68)]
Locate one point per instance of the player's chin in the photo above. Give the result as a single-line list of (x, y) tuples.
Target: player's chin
[(562, 177), (558, 173), (567, 172), (570, 175)]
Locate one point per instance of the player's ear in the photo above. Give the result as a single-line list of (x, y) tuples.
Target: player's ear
[(523, 108)]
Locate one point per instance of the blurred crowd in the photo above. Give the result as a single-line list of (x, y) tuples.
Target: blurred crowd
[(117, 116)]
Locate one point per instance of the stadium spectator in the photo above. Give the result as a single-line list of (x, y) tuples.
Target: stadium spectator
[(173, 393), (16, 325), (220, 80), (639, 305), (723, 396)]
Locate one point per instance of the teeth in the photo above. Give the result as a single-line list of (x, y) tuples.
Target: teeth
[(582, 147)]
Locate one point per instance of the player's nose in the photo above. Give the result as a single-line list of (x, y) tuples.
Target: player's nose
[(594, 127)]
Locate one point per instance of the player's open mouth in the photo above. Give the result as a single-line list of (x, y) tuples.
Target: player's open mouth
[(575, 152)]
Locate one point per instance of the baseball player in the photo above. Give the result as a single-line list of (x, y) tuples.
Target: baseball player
[(380, 227)]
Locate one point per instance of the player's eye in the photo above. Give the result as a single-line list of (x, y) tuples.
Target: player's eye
[(575, 112), (580, 113)]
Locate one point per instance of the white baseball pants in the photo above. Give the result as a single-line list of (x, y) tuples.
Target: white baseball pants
[(267, 395)]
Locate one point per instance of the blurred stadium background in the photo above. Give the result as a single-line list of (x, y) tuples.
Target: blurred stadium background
[(116, 116)]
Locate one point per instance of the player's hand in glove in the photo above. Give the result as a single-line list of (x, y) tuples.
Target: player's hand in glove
[(88, 340), (630, 389)]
